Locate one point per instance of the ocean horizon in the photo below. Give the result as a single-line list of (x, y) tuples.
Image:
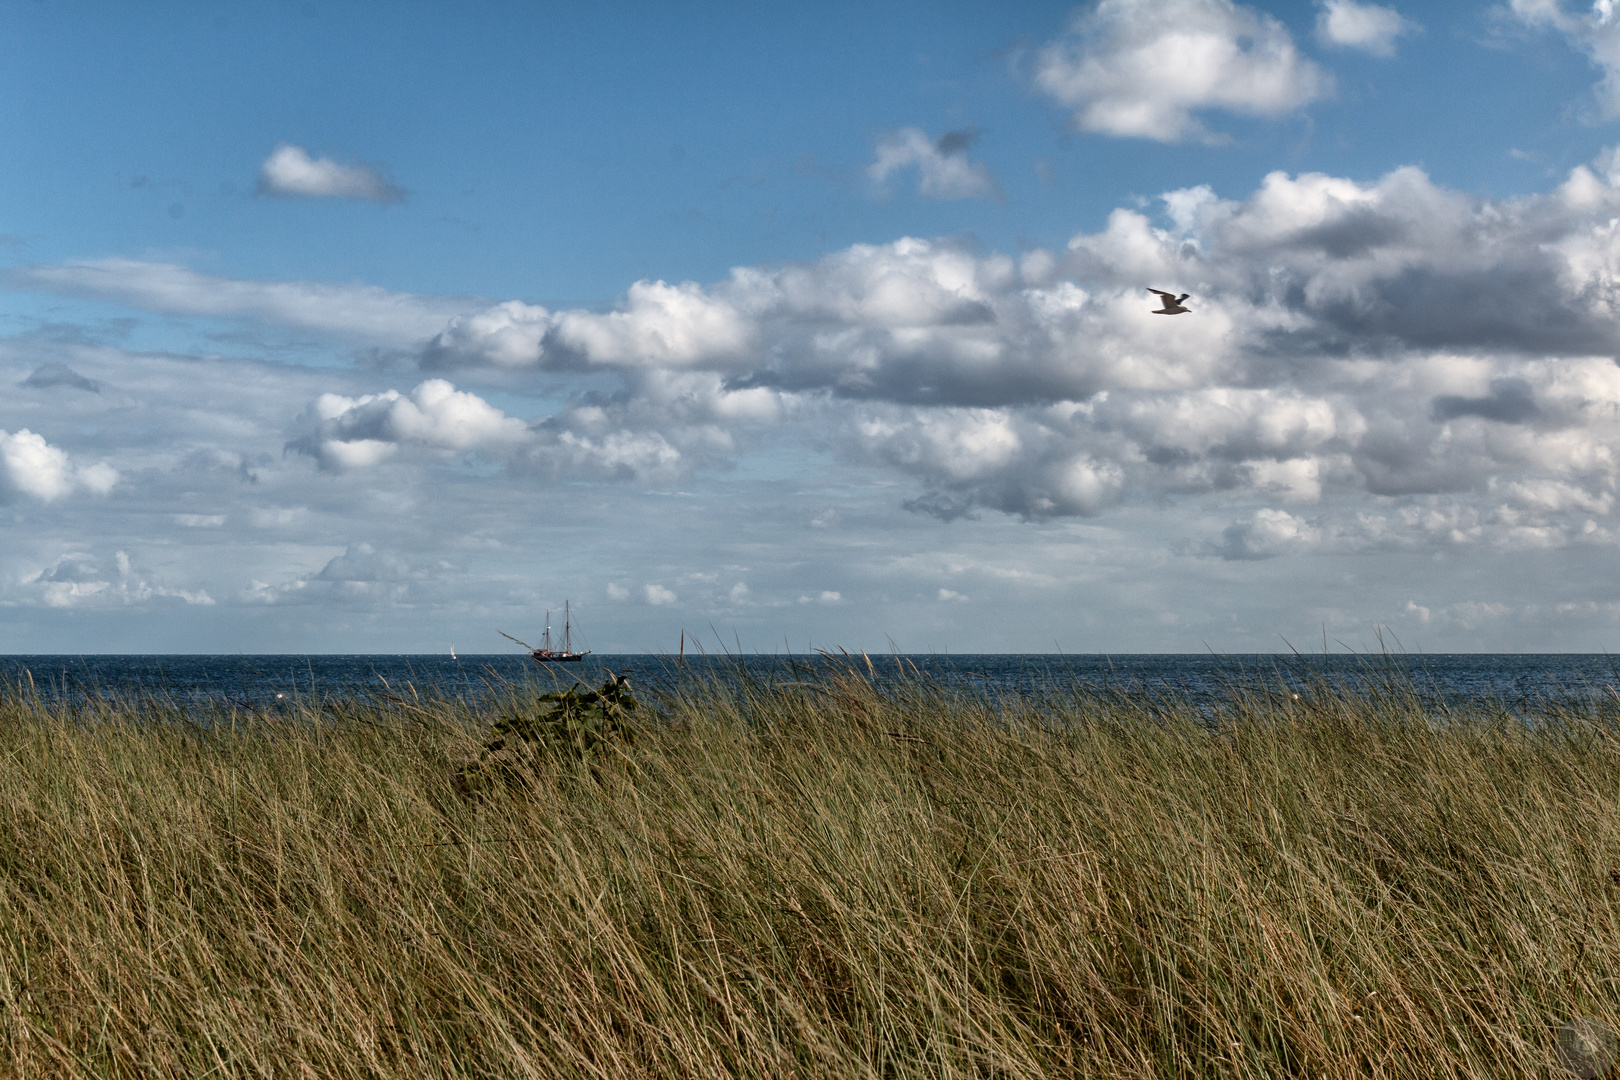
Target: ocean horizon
[(258, 680)]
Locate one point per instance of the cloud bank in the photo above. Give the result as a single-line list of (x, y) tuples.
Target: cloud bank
[(1389, 339), (1374, 363)]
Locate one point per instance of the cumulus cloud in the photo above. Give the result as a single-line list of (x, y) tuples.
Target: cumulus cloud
[(1389, 339), (31, 467), (1266, 534), (943, 168), (1595, 31), (291, 171), (79, 579), (355, 311), (346, 433), (361, 574), (663, 425), (1142, 68), (1350, 25), (995, 458), (869, 321), (659, 325)]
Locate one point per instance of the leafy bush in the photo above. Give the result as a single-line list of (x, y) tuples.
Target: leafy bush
[(569, 726), (575, 722)]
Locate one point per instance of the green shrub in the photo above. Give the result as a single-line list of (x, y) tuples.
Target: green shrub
[(570, 726), (575, 722)]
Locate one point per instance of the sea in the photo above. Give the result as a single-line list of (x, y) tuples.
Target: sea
[(1514, 681)]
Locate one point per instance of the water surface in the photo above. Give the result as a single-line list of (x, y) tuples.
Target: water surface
[(1513, 679)]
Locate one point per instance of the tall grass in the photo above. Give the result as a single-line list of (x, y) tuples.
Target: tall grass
[(831, 878)]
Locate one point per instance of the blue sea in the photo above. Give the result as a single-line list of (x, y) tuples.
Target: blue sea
[(1516, 681)]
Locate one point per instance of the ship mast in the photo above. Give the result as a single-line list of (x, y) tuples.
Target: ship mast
[(546, 641), (567, 626)]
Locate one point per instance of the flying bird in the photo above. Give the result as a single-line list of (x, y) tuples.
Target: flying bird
[(1172, 303)]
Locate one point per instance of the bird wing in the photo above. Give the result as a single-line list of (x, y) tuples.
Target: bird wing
[(1167, 295)]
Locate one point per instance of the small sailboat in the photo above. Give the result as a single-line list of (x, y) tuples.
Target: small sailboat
[(452, 650), (546, 654)]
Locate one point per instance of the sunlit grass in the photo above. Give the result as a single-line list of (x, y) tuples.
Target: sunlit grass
[(826, 878)]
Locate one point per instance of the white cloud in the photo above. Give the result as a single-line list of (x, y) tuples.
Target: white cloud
[(1268, 533), (345, 433), (78, 579), (1142, 68), (1516, 458), (32, 467), (943, 168), (511, 334), (658, 326), (362, 574), (996, 458), (1595, 32), (355, 311), (666, 425), (1480, 331), (658, 596), (1397, 365), (290, 170), (1369, 27)]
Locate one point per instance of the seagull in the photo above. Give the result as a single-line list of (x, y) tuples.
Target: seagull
[(1172, 303)]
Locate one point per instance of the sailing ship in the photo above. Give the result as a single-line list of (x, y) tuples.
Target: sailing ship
[(545, 654)]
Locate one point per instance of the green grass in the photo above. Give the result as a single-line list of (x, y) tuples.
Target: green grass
[(831, 878)]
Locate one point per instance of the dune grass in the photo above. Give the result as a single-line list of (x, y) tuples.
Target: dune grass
[(835, 878)]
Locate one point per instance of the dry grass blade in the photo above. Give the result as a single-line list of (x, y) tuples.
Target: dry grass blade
[(838, 876)]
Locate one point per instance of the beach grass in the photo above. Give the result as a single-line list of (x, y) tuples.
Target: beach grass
[(830, 877)]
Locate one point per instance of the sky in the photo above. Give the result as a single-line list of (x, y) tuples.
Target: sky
[(358, 328)]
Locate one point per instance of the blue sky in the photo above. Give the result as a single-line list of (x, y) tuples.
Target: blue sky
[(331, 327)]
